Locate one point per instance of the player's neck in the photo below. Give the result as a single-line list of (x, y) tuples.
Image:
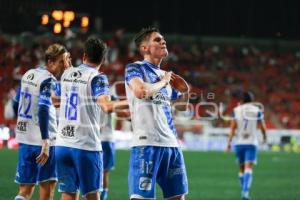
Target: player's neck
[(92, 65), (154, 61)]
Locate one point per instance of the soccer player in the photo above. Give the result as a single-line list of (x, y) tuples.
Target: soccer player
[(84, 91), (247, 117), (36, 127), (108, 145), (155, 155)]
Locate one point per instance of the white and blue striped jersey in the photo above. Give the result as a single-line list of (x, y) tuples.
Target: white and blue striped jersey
[(247, 117), (79, 116), (151, 118), (35, 90)]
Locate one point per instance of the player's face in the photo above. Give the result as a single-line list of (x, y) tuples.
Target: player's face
[(157, 46), (56, 66)]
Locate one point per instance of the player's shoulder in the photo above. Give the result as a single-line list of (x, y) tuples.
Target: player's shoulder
[(134, 64)]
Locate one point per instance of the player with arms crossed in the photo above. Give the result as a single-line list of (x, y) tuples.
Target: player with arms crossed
[(246, 119), (84, 91), (155, 154), (37, 126)]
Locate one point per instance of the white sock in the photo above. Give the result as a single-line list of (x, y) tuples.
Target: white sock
[(18, 197)]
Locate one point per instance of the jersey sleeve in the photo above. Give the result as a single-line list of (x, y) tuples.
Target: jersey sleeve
[(45, 92), (17, 96), (100, 86), (57, 88), (133, 70), (260, 116), (175, 94)]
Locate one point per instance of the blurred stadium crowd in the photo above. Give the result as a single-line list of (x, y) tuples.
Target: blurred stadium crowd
[(212, 68)]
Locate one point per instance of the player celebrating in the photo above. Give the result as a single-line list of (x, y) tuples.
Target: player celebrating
[(37, 127), (155, 153), (78, 151), (246, 118)]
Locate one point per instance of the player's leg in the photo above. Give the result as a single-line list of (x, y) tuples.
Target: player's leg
[(68, 183), (47, 177), (105, 185), (171, 175), (143, 167), (108, 149), (69, 196), (25, 192), (250, 160), (27, 170), (239, 151), (90, 181), (46, 190)]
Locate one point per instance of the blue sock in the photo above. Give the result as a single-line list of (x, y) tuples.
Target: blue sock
[(241, 177), (247, 183), (19, 198), (103, 195)]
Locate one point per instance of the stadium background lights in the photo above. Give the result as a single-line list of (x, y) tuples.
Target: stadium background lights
[(60, 19)]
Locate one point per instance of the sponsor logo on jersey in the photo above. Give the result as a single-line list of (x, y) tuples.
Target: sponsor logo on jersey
[(30, 77), (68, 131), (22, 126), (145, 183), (160, 98)]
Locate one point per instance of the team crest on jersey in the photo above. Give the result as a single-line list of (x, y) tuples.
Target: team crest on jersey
[(76, 74), (68, 131), (22, 126), (145, 183)]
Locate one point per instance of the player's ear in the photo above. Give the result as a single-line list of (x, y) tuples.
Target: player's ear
[(143, 47)]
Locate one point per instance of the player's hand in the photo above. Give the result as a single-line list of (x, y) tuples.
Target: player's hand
[(44, 155), (228, 148), (167, 77), (179, 83), (67, 60)]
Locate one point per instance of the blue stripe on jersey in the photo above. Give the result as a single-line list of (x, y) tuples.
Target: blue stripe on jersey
[(168, 114), (133, 70), (100, 85), (45, 92)]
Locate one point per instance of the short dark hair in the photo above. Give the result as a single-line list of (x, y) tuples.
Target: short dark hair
[(247, 97), (94, 49), (54, 51), (144, 34)]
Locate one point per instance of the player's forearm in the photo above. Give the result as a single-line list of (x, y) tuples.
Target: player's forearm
[(43, 114), (111, 106), (151, 89)]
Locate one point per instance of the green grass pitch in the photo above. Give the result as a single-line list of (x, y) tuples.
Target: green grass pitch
[(211, 175)]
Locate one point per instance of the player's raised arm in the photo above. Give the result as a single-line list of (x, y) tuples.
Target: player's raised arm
[(140, 88)]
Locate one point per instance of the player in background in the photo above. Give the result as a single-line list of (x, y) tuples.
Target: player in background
[(155, 154), (108, 144), (247, 117), (84, 91), (36, 127)]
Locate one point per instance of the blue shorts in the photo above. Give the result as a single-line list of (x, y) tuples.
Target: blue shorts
[(28, 171), (78, 170), (245, 153), (109, 154), (149, 164)]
